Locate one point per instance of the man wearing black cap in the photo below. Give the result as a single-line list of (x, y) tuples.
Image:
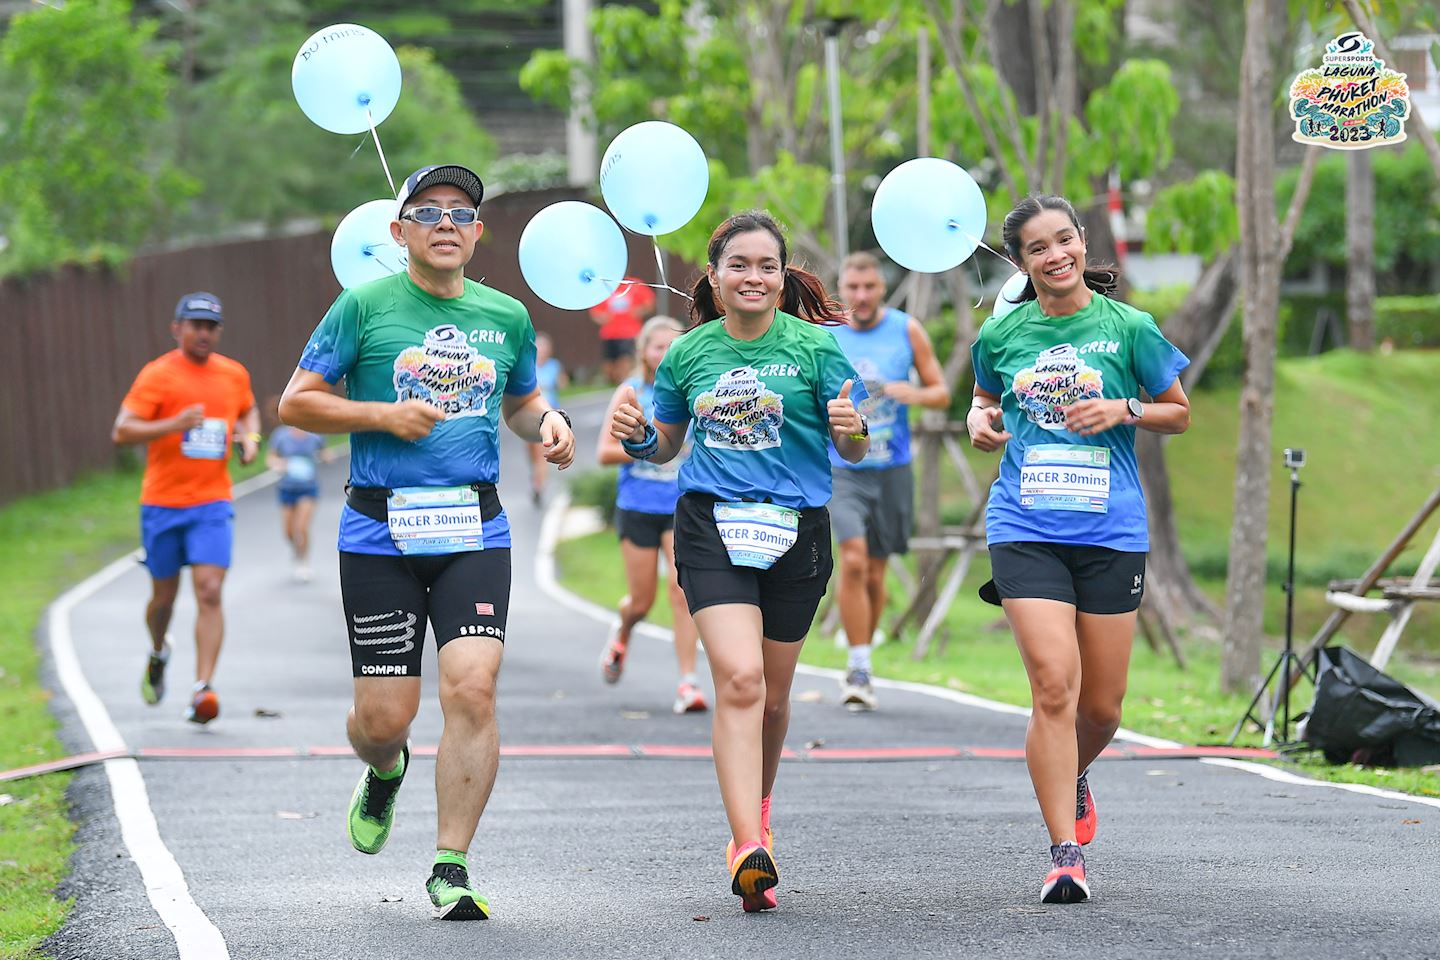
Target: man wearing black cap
[(186, 406), (431, 362)]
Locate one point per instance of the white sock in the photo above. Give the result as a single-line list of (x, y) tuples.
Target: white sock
[(860, 657)]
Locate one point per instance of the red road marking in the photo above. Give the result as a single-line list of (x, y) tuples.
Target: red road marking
[(646, 751)]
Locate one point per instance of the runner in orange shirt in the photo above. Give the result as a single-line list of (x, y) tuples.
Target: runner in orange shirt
[(186, 406)]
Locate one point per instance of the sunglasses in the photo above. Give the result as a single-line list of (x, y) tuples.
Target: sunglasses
[(459, 216)]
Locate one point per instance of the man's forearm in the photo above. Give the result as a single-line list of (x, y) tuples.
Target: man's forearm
[(320, 411)]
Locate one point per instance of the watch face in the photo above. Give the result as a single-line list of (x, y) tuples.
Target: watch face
[(1136, 410)]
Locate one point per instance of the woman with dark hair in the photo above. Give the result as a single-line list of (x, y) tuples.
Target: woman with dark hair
[(1058, 384), (768, 388)]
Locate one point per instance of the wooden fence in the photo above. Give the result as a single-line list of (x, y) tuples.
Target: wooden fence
[(72, 342)]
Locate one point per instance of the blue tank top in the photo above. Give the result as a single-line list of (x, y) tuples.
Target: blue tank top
[(649, 487), (881, 355)]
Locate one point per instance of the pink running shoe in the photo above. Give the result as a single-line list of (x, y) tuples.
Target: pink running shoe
[(1084, 810), (689, 699), (753, 874), (1065, 883)]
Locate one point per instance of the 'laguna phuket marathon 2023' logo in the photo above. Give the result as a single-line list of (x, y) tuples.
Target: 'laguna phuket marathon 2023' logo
[(446, 372), (1059, 378), (1353, 102), (740, 413)]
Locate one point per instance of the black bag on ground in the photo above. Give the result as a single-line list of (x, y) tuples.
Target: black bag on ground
[(1361, 714)]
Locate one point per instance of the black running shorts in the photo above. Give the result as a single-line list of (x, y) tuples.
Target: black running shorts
[(642, 529), (787, 594), (1091, 579), (388, 599)]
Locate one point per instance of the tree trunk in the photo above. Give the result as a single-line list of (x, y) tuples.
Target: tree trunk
[(1360, 250), (1260, 280)]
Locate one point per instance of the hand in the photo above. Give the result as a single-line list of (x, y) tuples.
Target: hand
[(412, 419), (628, 421), (190, 418), (844, 418), (558, 440), (903, 391), (982, 422), (1089, 417), (249, 449)]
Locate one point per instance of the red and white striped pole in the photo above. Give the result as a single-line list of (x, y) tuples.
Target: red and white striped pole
[(1117, 217)]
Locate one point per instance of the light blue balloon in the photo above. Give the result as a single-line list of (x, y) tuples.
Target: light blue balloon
[(362, 248), (572, 255), (928, 215), (654, 177), (1008, 297), (340, 72)]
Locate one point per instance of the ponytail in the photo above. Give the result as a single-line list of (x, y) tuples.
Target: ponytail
[(805, 297)]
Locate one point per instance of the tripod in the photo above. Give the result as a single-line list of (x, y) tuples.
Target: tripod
[(1280, 701)]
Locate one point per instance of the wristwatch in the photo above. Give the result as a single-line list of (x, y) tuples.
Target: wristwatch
[(864, 429), (1137, 409)]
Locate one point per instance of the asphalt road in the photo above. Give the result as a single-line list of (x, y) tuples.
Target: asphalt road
[(622, 856)]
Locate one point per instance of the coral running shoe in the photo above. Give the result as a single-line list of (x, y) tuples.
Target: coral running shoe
[(753, 876), (1084, 810), (1065, 883), (204, 705), (612, 658), (689, 699)]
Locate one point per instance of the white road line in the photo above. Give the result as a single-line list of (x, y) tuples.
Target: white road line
[(1282, 776), (545, 574), (195, 936)]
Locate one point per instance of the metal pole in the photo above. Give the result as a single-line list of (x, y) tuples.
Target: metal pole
[(580, 149), (1289, 613), (837, 145)]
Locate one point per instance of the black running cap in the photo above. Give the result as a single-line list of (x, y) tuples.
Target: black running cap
[(452, 174)]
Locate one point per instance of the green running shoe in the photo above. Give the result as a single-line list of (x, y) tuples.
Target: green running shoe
[(152, 684), (453, 895), (372, 807)]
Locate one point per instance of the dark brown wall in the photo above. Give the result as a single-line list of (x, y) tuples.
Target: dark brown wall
[(72, 342)]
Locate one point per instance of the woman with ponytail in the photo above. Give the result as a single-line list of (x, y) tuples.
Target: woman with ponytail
[(1058, 384), (768, 389)]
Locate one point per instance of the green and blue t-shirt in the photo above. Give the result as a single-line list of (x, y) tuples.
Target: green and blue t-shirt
[(762, 423), (1056, 486), (392, 341), (646, 487)]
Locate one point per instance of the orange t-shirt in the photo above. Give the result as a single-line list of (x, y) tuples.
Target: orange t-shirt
[(185, 469)]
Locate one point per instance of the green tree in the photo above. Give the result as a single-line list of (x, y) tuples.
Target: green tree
[(746, 80), (86, 168)]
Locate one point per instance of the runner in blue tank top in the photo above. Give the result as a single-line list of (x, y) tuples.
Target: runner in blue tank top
[(767, 387), (1057, 385), (645, 520), (873, 505), (431, 361)]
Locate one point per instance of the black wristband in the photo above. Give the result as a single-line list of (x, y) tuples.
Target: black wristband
[(563, 415)]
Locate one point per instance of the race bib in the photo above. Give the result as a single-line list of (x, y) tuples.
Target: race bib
[(1063, 476), (431, 520), (665, 472), (299, 469), (207, 441), (756, 534)]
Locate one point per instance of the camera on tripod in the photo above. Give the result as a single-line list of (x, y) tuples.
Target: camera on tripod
[(1294, 458)]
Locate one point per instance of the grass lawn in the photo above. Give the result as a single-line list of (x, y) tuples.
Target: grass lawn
[(1356, 495), (52, 541)]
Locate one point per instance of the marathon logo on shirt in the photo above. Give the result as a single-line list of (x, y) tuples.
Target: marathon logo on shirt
[(448, 373), (740, 413), (1058, 379)]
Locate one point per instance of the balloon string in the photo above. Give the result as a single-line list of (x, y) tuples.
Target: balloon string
[(660, 262), (627, 283), (381, 150)]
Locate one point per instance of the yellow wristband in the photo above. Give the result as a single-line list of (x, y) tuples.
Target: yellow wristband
[(252, 437)]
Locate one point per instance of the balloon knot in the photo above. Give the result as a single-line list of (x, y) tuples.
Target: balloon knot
[(364, 99)]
